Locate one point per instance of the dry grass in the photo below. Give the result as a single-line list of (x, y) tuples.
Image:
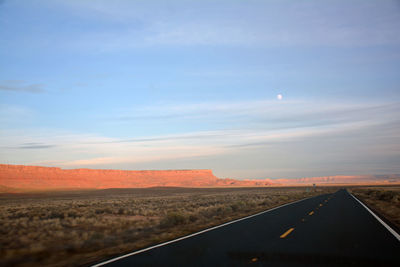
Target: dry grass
[(384, 200), (79, 228)]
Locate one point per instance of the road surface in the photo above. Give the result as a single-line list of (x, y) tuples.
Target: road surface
[(326, 230)]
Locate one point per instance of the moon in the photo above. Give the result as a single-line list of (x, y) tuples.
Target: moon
[(279, 97)]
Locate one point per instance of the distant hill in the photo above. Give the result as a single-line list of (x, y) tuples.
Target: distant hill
[(17, 178), (38, 178), (344, 179)]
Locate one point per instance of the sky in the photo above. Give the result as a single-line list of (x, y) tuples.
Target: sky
[(249, 89)]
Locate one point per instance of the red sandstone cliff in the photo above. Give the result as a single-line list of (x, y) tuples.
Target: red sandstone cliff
[(14, 178), (33, 177)]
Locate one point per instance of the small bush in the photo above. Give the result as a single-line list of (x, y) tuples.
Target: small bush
[(386, 195), (72, 214), (173, 219), (193, 218), (56, 214)]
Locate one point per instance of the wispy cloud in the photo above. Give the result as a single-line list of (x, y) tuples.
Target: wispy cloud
[(263, 114), (21, 86), (86, 150), (338, 133), (34, 146)]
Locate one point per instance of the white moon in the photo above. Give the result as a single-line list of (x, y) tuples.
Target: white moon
[(279, 96)]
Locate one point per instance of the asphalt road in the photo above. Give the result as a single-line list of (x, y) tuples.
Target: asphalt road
[(327, 230)]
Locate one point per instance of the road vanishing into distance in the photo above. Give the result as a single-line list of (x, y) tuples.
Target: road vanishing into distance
[(326, 230)]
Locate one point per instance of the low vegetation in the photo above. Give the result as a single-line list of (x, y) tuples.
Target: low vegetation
[(384, 200), (79, 228)]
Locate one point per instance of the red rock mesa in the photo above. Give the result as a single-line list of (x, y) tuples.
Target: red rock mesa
[(33, 177), (21, 177)]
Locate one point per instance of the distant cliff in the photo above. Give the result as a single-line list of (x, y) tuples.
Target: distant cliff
[(16, 178), (34, 177), (344, 179)]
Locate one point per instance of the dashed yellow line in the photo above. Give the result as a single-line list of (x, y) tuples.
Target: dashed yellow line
[(287, 233), (311, 213)]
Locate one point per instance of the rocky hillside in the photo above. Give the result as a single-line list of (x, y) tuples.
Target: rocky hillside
[(17, 178), (34, 177)]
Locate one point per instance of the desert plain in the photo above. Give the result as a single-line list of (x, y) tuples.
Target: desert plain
[(47, 222)]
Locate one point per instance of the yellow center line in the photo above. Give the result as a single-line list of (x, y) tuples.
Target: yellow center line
[(311, 213), (287, 233)]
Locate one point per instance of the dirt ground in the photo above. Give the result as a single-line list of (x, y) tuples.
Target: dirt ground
[(385, 200), (83, 227)]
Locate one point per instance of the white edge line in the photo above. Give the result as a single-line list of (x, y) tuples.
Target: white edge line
[(194, 234), (379, 219)]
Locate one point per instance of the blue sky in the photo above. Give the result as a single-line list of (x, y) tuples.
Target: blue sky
[(194, 85)]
